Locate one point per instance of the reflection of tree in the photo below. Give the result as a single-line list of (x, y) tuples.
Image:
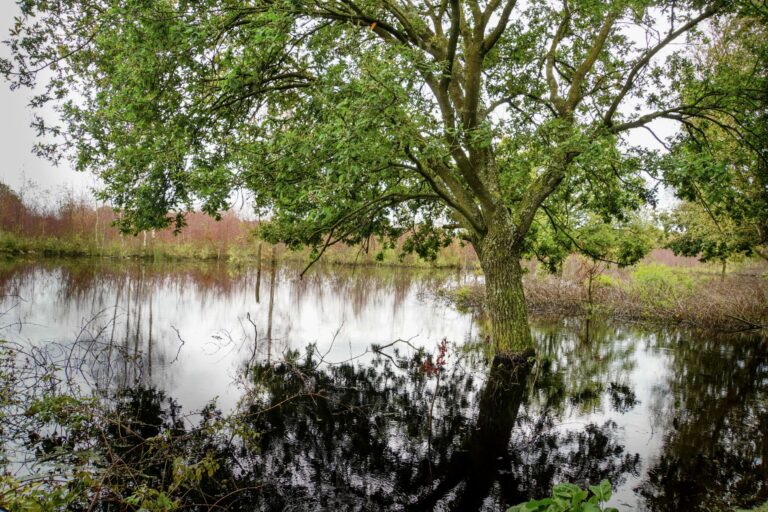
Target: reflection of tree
[(347, 437), (364, 286), (120, 297), (358, 437), (85, 281), (714, 410), (271, 310), (587, 371), (579, 457)]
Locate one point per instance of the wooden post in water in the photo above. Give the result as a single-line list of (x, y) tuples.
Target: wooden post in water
[(258, 273), (272, 285)]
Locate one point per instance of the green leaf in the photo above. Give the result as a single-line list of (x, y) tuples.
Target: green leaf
[(602, 491)]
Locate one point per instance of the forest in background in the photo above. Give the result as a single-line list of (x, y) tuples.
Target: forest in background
[(71, 224), (66, 223)]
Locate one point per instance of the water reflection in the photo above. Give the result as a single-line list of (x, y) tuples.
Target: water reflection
[(358, 438), (675, 420), (713, 410), (193, 325)]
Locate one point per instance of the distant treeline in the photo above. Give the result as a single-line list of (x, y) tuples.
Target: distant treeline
[(72, 217), (70, 224)]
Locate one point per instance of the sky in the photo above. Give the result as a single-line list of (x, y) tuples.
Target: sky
[(17, 138)]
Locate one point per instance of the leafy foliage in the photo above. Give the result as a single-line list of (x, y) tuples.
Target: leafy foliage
[(693, 230), (347, 120), (719, 161), (571, 498), (620, 243)]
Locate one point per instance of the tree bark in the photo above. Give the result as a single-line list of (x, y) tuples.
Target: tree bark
[(499, 255)]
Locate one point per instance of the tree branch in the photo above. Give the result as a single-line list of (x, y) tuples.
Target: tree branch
[(574, 94), (461, 204), (646, 58), (645, 119), (453, 41), (500, 27), (538, 191), (562, 28)]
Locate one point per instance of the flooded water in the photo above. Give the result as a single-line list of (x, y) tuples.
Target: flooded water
[(675, 420)]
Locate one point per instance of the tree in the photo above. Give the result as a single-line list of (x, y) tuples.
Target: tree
[(604, 244), (719, 161), (11, 209), (348, 119), (695, 231)]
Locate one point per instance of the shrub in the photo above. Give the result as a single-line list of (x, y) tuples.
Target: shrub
[(659, 285), (571, 498), (606, 281)]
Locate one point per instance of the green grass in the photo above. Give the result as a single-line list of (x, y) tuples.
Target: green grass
[(76, 246)]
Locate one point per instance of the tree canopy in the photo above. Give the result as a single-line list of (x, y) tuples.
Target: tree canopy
[(692, 230), (719, 160), (346, 119)]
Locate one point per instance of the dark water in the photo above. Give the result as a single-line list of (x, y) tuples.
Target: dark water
[(676, 420)]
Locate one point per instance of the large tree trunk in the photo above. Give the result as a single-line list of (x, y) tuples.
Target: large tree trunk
[(505, 300)]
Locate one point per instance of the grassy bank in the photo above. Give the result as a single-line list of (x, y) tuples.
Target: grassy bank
[(76, 246), (648, 292)]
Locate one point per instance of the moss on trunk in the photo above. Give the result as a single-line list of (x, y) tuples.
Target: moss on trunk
[(505, 300)]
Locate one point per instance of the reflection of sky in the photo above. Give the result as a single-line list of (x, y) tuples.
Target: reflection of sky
[(218, 336), (637, 424), (644, 369)]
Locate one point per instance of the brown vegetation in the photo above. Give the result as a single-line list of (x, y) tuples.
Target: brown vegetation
[(692, 297), (73, 218), (72, 225)]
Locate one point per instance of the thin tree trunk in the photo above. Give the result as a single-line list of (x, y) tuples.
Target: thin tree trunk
[(272, 285)]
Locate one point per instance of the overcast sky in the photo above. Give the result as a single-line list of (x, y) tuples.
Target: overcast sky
[(16, 136)]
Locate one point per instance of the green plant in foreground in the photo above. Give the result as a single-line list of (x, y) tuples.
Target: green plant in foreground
[(571, 498)]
